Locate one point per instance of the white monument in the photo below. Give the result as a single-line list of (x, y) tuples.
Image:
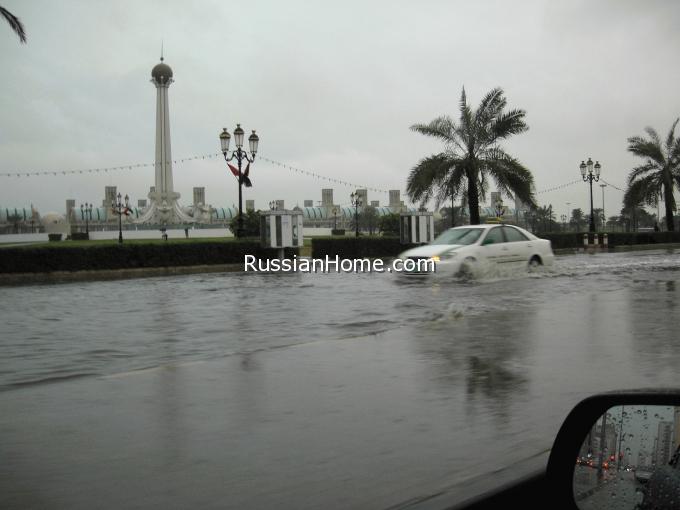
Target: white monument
[(163, 208)]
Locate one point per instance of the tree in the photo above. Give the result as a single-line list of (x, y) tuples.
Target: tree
[(577, 219), (389, 224), (368, 219), (251, 224), (15, 23), (448, 220), (471, 155), (15, 219), (545, 216), (597, 214), (657, 177)]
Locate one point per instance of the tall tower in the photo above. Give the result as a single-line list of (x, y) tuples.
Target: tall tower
[(164, 208)]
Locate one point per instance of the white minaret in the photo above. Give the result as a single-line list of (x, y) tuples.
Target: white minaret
[(164, 208)]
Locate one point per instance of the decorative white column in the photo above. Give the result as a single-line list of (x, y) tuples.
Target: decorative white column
[(164, 208)]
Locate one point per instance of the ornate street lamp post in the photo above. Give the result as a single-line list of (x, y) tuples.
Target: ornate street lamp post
[(604, 217), (121, 208), (335, 218), (500, 209), (356, 203), (86, 212), (240, 155), (589, 176)]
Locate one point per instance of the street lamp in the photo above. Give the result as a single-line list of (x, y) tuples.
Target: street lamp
[(589, 176), (86, 212), (604, 217), (121, 208), (356, 203), (272, 205), (499, 208), (335, 218), (240, 155)]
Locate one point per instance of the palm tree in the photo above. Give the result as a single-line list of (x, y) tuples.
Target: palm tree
[(577, 218), (15, 23), (472, 154), (658, 176)]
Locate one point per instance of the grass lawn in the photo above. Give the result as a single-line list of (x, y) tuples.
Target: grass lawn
[(114, 242)]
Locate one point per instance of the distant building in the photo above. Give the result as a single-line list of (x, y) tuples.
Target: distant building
[(199, 196), (395, 199), (363, 196), (326, 197), (375, 203), (250, 205), (309, 203), (141, 203), (644, 459), (70, 206), (110, 193), (280, 205), (664, 443)]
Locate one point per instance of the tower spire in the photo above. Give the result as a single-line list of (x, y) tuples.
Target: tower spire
[(161, 50)]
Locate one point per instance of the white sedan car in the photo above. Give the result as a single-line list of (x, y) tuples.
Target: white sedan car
[(474, 248)]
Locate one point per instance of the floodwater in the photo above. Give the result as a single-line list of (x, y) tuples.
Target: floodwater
[(314, 390)]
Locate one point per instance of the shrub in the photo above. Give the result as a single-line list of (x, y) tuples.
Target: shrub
[(575, 239), (133, 255), (54, 237), (353, 247)]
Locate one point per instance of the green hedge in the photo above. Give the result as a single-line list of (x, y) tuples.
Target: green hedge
[(353, 247), (127, 256), (575, 240)]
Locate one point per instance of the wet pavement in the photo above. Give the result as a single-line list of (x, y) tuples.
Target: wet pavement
[(308, 391)]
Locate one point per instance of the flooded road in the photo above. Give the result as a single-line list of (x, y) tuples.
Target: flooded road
[(313, 390)]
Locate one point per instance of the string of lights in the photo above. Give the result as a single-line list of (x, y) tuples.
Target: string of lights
[(102, 169), (322, 177), (39, 173), (309, 173), (612, 185), (561, 186)]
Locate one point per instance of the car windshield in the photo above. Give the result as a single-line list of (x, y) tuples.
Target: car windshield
[(459, 236)]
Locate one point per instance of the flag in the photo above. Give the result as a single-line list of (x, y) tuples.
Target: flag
[(246, 179), (233, 169)]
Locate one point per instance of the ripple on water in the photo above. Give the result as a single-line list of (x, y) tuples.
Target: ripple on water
[(184, 318)]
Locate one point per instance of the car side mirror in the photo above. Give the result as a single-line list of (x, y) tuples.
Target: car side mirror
[(619, 450)]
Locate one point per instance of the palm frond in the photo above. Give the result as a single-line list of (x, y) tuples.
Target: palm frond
[(646, 149), (653, 135), (442, 127), (507, 124), (639, 171), (646, 189), (511, 177), (15, 23), (466, 120), (427, 176)]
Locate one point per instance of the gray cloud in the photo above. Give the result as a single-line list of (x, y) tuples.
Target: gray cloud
[(330, 87)]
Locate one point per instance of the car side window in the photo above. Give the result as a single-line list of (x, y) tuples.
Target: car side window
[(494, 236), (513, 235)]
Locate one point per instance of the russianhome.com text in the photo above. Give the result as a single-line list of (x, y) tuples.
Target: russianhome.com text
[(337, 265)]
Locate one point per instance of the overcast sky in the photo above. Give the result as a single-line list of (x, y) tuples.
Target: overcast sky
[(330, 87)]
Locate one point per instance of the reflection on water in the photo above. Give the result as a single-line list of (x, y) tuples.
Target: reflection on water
[(318, 390)]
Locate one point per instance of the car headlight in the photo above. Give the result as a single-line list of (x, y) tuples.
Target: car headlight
[(435, 258)]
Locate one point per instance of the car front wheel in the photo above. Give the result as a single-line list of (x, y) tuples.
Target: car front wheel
[(535, 263)]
